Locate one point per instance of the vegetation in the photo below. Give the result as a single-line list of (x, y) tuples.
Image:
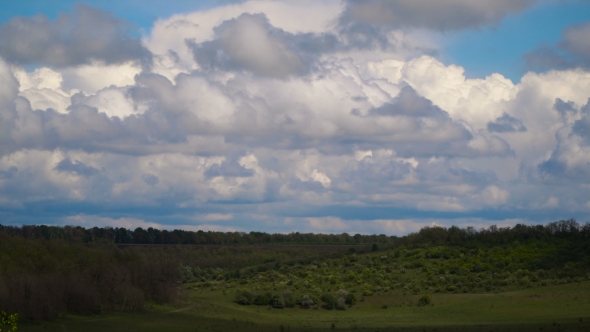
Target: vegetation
[(8, 323), (47, 273)]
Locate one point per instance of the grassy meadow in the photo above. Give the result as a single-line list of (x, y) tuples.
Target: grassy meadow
[(551, 308)]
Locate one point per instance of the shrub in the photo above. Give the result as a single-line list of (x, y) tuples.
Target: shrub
[(306, 301), (9, 321), (278, 303), (246, 298), (341, 303), (424, 300), (367, 292), (350, 299), (262, 300), (329, 301)]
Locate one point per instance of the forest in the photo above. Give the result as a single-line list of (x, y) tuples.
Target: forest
[(50, 272)]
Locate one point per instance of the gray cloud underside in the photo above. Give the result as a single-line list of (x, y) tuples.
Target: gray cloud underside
[(437, 15), (85, 35), (506, 124)]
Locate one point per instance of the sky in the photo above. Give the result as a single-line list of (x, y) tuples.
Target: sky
[(325, 116)]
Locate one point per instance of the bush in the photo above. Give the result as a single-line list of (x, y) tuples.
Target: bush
[(329, 301), (262, 299), (424, 300), (278, 303), (246, 298), (350, 299), (341, 303), (9, 321), (341, 293), (288, 298), (306, 301)]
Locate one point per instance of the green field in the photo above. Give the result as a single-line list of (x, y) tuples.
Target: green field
[(552, 308)]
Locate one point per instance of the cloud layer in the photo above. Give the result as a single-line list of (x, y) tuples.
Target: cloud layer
[(240, 118)]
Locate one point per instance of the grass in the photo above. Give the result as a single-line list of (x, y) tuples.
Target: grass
[(552, 308)]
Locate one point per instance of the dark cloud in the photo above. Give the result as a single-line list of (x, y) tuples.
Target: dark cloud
[(375, 171), (563, 108), (76, 167), (250, 42), (437, 15), (298, 185), (576, 40), (506, 124), (85, 35), (228, 168), (582, 126), (9, 173), (573, 50), (409, 103), (150, 179), (552, 167)]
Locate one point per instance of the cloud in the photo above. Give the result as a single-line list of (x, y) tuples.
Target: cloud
[(251, 43), (262, 118), (228, 168), (85, 35), (570, 159), (440, 15), (75, 167), (9, 173), (573, 50), (506, 124)]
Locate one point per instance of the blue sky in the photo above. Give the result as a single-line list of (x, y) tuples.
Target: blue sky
[(367, 116)]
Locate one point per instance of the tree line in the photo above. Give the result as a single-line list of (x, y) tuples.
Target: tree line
[(139, 235), (435, 235)]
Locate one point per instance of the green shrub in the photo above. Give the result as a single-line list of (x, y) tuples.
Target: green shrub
[(341, 304), (262, 299), (350, 299), (246, 298), (306, 301), (278, 303), (367, 292), (8, 323), (424, 300), (329, 301)]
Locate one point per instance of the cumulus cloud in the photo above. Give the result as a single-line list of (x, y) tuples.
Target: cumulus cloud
[(249, 119), (439, 15), (85, 35)]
